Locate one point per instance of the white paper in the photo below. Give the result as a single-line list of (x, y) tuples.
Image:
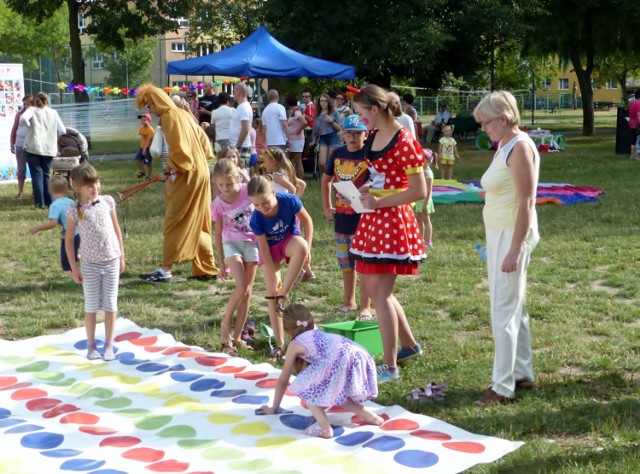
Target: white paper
[(349, 191)]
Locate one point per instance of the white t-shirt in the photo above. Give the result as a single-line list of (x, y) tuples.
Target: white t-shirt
[(221, 117), (406, 121), (271, 117), (242, 113)]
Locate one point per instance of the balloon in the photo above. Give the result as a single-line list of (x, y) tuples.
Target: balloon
[(89, 89), (62, 85), (106, 90), (200, 86), (167, 89), (303, 80)]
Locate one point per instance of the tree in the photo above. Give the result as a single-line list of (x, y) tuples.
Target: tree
[(590, 33), (619, 67), (111, 22), (131, 66)]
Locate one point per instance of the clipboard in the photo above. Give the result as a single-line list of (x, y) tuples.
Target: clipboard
[(349, 191)]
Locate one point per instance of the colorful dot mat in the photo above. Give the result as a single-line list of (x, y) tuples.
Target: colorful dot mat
[(162, 406)]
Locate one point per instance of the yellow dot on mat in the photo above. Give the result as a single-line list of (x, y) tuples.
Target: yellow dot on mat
[(364, 468), (258, 428), (201, 407), (336, 460), (302, 451), (122, 378), (180, 400), (274, 441), (224, 419)]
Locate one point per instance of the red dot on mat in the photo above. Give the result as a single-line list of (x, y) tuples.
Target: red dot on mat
[(169, 465), (144, 341), (188, 354), (251, 375), (358, 420), (399, 424), (60, 410), (303, 404), (230, 369), (6, 381), (465, 446), (431, 435), (97, 430), (120, 441), (80, 418), (210, 361), (144, 454), (28, 394), (16, 386), (267, 383), (127, 336), (173, 350), (202, 472), (155, 348), (41, 404)]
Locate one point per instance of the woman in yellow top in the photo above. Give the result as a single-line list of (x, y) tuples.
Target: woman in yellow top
[(187, 220), (511, 226)]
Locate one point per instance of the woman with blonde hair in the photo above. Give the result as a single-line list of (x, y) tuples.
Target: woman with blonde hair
[(511, 227), (187, 221)]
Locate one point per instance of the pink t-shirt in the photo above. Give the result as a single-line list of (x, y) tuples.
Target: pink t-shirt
[(98, 239), (235, 217), (634, 108)]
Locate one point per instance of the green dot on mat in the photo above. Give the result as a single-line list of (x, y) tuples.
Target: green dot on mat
[(257, 428), (221, 453), (16, 360), (79, 388), (253, 465), (118, 402), (37, 366), (49, 375), (224, 419), (178, 431), (274, 441), (63, 383), (153, 422), (97, 392), (132, 412), (196, 443)]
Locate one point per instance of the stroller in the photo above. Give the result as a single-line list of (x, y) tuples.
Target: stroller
[(73, 150)]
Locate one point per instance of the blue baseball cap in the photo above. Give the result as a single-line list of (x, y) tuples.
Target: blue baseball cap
[(352, 122)]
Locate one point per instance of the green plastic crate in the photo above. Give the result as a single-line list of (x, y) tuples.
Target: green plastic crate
[(365, 333)]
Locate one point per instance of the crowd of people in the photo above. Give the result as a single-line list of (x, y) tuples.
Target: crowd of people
[(260, 220)]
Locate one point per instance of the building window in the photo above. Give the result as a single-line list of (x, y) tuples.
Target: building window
[(563, 84), (98, 61), (82, 24), (182, 22), (178, 47), (546, 84), (205, 49), (612, 84), (181, 83)]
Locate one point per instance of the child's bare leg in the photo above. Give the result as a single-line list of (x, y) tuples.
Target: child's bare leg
[(450, 172), (297, 251), (442, 167), (237, 272), (428, 232), (323, 422), (349, 277), (272, 283), (243, 308), (109, 325), (367, 415), (90, 326), (421, 223)]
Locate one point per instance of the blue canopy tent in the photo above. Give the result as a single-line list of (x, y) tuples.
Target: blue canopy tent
[(259, 56)]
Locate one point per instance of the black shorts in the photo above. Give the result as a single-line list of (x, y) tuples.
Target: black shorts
[(64, 260)]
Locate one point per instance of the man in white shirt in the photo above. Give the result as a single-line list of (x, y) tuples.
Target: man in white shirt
[(274, 119), (221, 119), (442, 118), (240, 124)]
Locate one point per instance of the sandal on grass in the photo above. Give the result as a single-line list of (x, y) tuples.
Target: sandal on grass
[(431, 391), (228, 348), (276, 355), (366, 317)]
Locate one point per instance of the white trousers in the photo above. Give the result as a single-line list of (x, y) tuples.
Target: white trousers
[(509, 317)]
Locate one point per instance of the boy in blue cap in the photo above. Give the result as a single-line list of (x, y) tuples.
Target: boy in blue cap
[(347, 163)]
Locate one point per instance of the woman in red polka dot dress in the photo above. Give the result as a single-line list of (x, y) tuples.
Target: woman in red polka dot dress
[(388, 242)]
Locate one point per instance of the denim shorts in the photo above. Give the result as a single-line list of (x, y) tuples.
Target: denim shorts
[(330, 140)]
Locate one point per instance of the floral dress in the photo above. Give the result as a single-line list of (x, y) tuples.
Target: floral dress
[(388, 239), (338, 369)]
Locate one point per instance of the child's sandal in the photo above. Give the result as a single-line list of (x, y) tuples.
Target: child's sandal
[(315, 430), (276, 355), (228, 348)]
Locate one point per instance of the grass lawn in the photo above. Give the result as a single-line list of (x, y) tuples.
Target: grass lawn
[(584, 280)]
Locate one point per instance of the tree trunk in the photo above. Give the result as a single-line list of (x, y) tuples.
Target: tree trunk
[(586, 90), (622, 82), (77, 62)]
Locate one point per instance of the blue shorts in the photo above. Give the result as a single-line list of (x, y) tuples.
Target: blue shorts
[(64, 259), (330, 140), (146, 159)]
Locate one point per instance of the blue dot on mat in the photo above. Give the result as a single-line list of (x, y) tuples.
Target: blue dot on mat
[(108, 471), (4, 413), (416, 459), (206, 384), (81, 464), (175, 368), (151, 367), (354, 439), (251, 400), (385, 443), (42, 440), (227, 393), (185, 376), (337, 430), (7, 422), (24, 429), (61, 453), (129, 358), (82, 345), (297, 422)]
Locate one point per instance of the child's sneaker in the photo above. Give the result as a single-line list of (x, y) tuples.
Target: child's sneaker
[(386, 373), (108, 354), (157, 276), (92, 351), (405, 353)]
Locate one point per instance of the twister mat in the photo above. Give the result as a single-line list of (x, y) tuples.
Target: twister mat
[(165, 407)]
